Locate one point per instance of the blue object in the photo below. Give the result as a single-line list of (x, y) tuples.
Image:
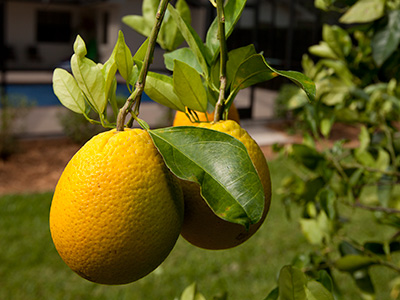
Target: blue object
[(43, 95)]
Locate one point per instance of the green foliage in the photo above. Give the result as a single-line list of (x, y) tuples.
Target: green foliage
[(356, 76), (192, 152)]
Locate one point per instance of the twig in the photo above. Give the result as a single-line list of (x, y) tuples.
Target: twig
[(219, 107), (376, 208), (135, 97)]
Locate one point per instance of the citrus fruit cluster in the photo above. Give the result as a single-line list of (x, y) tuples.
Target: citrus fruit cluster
[(117, 210)]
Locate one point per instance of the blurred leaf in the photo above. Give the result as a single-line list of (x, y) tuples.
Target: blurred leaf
[(353, 262), (67, 91), (337, 39), (309, 157), (273, 295), (232, 10), (220, 164), (327, 199), (322, 50), (161, 90), (191, 293), (316, 291), (193, 40), (316, 231), (363, 281), (326, 126), (345, 248), (292, 284), (184, 55), (326, 280), (387, 40), (189, 87), (364, 11)]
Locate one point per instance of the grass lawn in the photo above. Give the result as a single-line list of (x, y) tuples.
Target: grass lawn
[(30, 267)]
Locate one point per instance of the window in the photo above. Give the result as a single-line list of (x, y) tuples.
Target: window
[(53, 26)]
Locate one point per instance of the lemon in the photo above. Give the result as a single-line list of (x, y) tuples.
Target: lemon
[(201, 227), (182, 120), (117, 211)]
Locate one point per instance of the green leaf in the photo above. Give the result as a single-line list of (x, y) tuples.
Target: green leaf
[(316, 291), (189, 87), (169, 33), (292, 284), (251, 71), (109, 70), (143, 24), (67, 91), (387, 40), (298, 78), (141, 52), (353, 262), (318, 230), (273, 295), (160, 89), (191, 293), (363, 281), (233, 10), (220, 164), (90, 79), (185, 55), (123, 57), (364, 11), (322, 50), (193, 40), (138, 24), (337, 39), (80, 47)]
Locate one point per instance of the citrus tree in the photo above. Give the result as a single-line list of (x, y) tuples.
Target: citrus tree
[(136, 190), (356, 74)]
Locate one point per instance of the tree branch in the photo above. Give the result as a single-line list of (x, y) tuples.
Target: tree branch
[(135, 97)]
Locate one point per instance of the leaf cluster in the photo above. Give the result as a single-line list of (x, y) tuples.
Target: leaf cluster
[(356, 74)]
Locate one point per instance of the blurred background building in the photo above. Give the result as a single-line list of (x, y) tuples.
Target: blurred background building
[(37, 36)]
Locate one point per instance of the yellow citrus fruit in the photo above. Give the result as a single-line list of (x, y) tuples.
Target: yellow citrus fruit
[(182, 120), (201, 227), (117, 211)]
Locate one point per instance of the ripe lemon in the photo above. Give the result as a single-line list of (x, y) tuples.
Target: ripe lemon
[(117, 211), (201, 227), (182, 120)]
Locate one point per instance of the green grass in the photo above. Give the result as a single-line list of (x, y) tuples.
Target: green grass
[(30, 267)]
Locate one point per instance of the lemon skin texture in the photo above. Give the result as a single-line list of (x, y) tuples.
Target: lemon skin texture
[(201, 227), (117, 211)]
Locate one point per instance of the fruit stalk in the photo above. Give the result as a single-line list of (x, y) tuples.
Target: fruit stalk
[(135, 97), (219, 107)]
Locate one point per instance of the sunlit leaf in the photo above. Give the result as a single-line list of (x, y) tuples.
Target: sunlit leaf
[(364, 11), (90, 79), (193, 40), (184, 55), (67, 91), (220, 164), (189, 87), (123, 57), (160, 89)]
